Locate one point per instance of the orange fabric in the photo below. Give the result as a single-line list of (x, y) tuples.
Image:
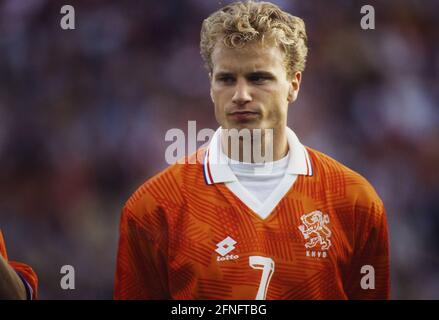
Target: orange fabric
[(24, 270), (171, 225), (3, 247)]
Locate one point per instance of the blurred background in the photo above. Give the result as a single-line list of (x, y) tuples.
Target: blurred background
[(84, 113)]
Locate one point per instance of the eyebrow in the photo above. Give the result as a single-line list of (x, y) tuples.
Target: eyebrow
[(252, 73), (261, 73), (222, 74)]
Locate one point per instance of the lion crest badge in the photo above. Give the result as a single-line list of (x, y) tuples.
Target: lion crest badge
[(315, 230)]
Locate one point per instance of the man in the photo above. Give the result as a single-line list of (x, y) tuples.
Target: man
[(301, 226), (17, 280)]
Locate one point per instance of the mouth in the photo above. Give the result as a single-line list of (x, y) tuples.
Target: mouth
[(243, 115)]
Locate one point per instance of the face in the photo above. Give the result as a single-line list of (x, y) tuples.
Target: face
[(250, 88)]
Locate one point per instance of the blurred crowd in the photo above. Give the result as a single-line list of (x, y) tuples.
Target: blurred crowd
[(84, 113)]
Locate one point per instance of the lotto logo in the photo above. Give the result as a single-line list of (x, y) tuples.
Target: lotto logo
[(225, 246)]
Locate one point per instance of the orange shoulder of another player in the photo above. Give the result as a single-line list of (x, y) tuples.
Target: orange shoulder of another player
[(24, 270), (352, 185), (3, 246)]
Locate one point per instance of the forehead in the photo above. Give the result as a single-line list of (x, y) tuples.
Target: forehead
[(252, 57)]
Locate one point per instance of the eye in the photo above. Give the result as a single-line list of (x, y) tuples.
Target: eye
[(226, 79), (258, 78)]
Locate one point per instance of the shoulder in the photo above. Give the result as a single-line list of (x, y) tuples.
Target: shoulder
[(167, 188), (2, 246), (351, 194), (338, 178)]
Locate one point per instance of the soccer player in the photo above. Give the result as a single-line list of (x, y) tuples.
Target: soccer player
[(302, 226), (17, 280)]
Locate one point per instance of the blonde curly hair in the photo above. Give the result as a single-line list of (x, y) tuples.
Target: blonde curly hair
[(241, 22)]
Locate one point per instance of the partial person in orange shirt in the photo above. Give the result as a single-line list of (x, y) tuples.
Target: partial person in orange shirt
[(17, 280), (299, 226)]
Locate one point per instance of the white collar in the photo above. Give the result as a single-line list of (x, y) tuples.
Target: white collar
[(217, 170)]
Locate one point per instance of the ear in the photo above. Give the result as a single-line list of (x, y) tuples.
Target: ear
[(211, 93), (293, 91)]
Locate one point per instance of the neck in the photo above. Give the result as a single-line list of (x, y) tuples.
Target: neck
[(264, 145)]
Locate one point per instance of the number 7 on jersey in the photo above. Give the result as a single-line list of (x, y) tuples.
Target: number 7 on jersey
[(267, 266)]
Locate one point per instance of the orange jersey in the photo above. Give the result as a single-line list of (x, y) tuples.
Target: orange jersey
[(23, 270), (183, 236)]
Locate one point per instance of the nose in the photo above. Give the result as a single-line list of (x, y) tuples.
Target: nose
[(242, 94)]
